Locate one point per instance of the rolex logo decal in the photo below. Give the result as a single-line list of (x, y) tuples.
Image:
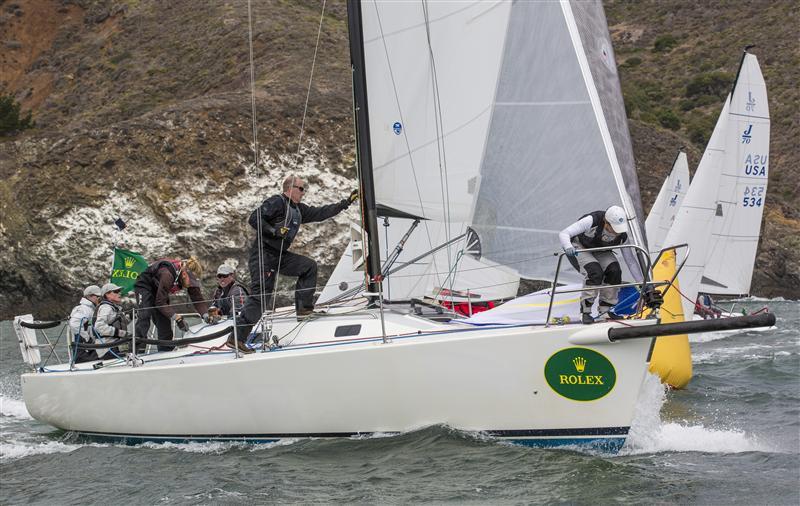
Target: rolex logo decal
[(580, 374), (129, 261)]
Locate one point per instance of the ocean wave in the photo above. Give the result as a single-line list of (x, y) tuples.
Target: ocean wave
[(18, 449), (213, 447), (740, 353), (649, 434), (13, 407), (754, 298), (675, 437)]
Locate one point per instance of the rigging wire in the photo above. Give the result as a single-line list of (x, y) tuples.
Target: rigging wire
[(439, 126), (297, 158), (259, 227), (256, 151)]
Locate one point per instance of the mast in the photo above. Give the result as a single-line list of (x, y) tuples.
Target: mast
[(363, 147)]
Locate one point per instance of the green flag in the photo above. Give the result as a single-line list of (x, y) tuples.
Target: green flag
[(127, 267)]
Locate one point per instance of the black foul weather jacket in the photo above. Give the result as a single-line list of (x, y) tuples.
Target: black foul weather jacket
[(274, 216)]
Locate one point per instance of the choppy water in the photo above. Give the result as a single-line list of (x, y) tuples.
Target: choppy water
[(732, 437)]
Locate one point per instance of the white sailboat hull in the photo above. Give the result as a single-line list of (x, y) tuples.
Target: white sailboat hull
[(474, 379)]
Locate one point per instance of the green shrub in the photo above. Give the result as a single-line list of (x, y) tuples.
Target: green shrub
[(699, 128), (715, 84), (668, 119), (665, 43), (10, 120), (632, 62)]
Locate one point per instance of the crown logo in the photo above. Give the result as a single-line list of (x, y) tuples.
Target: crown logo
[(129, 261), (580, 363)]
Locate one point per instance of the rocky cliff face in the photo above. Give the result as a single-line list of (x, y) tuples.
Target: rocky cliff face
[(143, 111)]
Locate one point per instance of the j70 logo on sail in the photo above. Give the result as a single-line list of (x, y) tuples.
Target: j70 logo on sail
[(580, 374), (746, 136)]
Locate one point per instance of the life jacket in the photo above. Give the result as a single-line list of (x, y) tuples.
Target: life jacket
[(220, 298), (593, 238), (119, 322), (149, 275)]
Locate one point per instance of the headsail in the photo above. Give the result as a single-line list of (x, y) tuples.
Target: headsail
[(743, 187), (694, 219), (551, 154), (668, 201)]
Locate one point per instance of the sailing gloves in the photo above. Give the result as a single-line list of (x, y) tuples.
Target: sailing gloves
[(571, 252), (353, 196), (181, 323), (213, 316)]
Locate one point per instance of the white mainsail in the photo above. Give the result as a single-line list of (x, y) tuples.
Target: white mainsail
[(431, 75), (742, 191), (667, 203)]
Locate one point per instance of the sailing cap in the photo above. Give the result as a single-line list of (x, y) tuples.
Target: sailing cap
[(92, 290), (109, 287), (615, 216), (225, 270)]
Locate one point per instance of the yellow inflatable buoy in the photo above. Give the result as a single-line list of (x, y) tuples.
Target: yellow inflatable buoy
[(672, 356)]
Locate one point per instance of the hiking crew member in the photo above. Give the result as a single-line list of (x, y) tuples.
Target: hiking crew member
[(80, 323), (599, 229), (280, 217), (229, 288), (110, 321), (153, 288)]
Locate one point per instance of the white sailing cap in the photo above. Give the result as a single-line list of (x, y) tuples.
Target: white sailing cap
[(225, 270), (615, 216), (110, 287), (92, 290)]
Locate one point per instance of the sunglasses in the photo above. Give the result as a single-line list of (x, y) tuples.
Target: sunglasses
[(301, 188), (114, 291), (220, 276)]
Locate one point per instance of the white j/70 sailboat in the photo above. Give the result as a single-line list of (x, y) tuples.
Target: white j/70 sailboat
[(720, 217), (497, 115)]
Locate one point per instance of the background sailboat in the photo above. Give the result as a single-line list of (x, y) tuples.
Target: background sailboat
[(667, 203), (721, 213)]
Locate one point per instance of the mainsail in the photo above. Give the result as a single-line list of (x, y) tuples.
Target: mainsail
[(742, 187), (668, 201)]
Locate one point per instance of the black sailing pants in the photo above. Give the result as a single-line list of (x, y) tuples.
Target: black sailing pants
[(293, 265), (146, 300)]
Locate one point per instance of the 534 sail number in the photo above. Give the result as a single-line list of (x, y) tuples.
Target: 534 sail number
[(753, 196)]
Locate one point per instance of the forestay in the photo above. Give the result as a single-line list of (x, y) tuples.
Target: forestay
[(668, 201), (742, 187)]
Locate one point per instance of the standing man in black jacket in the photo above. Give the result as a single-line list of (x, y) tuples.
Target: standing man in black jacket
[(277, 222)]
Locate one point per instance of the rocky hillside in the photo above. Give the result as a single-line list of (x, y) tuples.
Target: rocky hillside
[(143, 110)]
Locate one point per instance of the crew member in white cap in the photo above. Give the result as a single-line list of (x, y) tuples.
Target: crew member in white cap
[(229, 292), (599, 229), (80, 322), (110, 322)]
